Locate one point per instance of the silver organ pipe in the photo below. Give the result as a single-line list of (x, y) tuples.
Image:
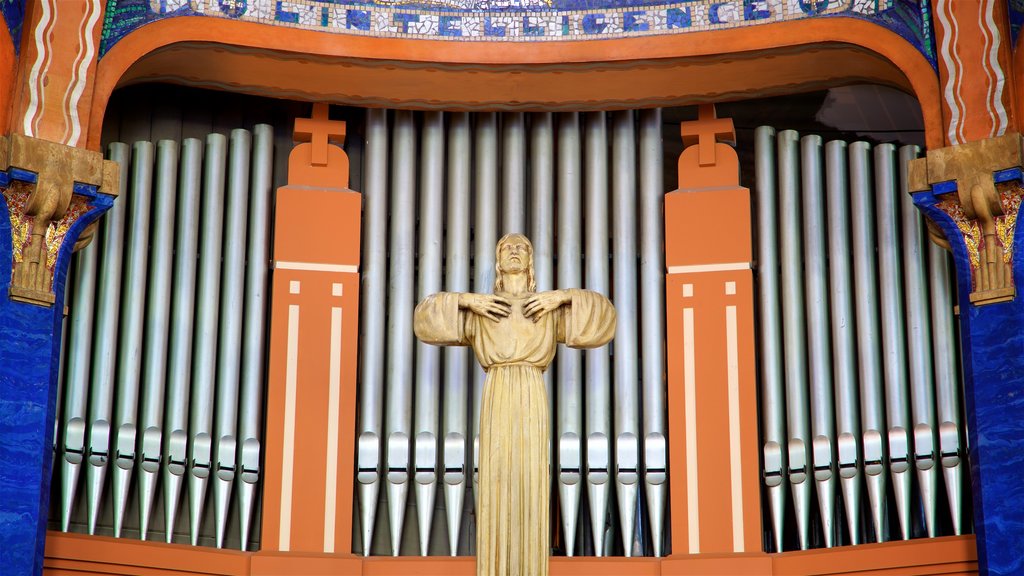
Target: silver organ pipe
[(868, 328), (457, 374), (401, 286), (773, 419), (652, 327), (513, 173), (626, 372), (794, 333), (143, 328), (129, 350), (869, 358), (154, 359), (569, 388), (919, 332), (893, 331), (179, 353), (597, 363), (253, 336), (204, 364), (844, 351), (428, 358), (101, 391), (823, 444), (369, 455)]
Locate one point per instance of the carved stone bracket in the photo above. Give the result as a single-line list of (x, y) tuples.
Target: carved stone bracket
[(977, 190), (45, 197)]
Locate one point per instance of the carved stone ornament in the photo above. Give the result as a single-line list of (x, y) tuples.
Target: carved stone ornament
[(984, 211), (43, 206)]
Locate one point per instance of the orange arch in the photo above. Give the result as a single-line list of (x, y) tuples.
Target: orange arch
[(671, 69)]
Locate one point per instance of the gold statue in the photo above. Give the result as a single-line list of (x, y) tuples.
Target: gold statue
[(514, 333)]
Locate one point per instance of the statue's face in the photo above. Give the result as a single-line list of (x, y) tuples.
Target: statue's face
[(514, 255)]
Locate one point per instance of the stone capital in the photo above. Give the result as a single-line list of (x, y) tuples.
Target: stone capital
[(48, 189), (971, 194)]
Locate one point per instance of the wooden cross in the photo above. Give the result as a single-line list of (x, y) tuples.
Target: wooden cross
[(705, 131), (319, 130)]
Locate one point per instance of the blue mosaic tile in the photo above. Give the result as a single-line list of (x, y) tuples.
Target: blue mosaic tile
[(523, 20)]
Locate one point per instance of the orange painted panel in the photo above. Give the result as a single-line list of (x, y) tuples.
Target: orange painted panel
[(707, 226), (317, 226)]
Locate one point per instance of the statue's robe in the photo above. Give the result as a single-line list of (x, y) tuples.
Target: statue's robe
[(512, 503)]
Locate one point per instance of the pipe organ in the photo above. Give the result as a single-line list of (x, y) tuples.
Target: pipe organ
[(162, 397), (858, 378)]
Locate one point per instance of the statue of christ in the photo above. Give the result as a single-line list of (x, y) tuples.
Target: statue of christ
[(514, 333)]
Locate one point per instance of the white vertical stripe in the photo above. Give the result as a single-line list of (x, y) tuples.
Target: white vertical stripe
[(86, 40), (735, 464), (333, 407), (994, 72), (288, 459), (35, 87), (690, 401)]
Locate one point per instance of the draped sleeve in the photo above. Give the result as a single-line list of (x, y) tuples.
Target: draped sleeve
[(438, 320), (588, 321)]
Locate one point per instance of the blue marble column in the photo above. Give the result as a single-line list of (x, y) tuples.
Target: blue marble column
[(992, 344), (29, 356)]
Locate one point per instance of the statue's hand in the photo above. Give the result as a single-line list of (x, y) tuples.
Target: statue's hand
[(540, 304), (487, 305)]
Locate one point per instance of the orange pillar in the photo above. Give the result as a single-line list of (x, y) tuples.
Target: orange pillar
[(712, 399), (314, 322)]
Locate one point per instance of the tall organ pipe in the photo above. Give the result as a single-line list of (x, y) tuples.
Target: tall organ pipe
[(598, 408), (570, 365), (869, 357), (371, 342), (207, 318), (76, 381), (652, 320), (428, 357), (843, 335), (400, 302), (129, 352), (254, 333), (179, 351), (823, 446), (456, 358), (513, 172), (101, 394), (485, 232), (229, 345), (893, 331), (154, 362), (794, 333), (922, 390), (626, 373), (947, 392), (772, 383)]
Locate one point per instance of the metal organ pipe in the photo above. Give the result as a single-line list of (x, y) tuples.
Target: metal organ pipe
[(428, 357), (823, 446), (794, 333), (652, 322), (569, 387), (101, 393), (207, 318), (869, 359), (893, 331), (253, 336), (154, 359), (843, 335), (513, 173), (179, 352), (129, 351), (598, 399), (772, 382), (400, 303), (626, 373), (456, 358), (372, 310), (922, 390)]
